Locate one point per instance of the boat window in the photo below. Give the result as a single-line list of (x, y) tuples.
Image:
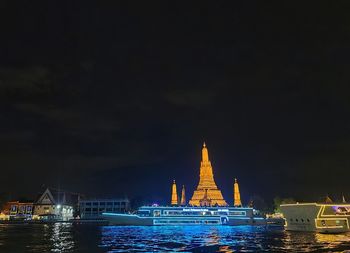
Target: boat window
[(173, 213), (156, 213), (302, 220), (308, 220), (186, 222), (336, 210), (237, 213), (296, 220), (143, 212)]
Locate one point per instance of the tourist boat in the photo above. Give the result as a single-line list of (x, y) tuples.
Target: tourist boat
[(323, 218), (162, 215)]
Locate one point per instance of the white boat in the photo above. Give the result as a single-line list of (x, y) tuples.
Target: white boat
[(162, 215), (323, 218)]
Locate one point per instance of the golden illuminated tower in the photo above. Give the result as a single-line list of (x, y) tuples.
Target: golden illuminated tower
[(236, 194), (183, 196), (174, 199), (207, 187)]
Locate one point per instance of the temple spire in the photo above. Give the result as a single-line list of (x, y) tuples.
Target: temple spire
[(205, 155), (174, 199), (206, 189), (183, 196), (236, 194)]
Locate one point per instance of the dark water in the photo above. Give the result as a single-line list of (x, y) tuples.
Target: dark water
[(63, 237)]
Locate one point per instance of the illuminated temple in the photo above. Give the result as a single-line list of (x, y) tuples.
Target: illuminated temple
[(207, 193)]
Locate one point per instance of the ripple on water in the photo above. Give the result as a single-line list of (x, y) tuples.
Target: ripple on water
[(217, 239), (62, 237)]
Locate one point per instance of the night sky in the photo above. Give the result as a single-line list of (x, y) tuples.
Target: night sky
[(115, 100)]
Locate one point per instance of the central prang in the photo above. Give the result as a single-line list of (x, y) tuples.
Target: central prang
[(207, 193)]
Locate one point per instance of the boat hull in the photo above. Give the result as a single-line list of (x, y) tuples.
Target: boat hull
[(322, 218), (135, 220), (185, 215), (127, 219)]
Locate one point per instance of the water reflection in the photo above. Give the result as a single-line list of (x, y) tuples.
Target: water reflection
[(216, 239), (333, 241), (187, 238), (64, 237), (225, 249)]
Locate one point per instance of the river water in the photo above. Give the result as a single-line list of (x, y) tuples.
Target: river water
[(65, 237)]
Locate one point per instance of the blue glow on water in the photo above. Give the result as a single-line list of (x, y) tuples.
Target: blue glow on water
[(170, 238), (214, 239), (66, 237)]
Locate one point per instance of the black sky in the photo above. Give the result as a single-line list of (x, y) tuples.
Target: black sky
[(111, 99)]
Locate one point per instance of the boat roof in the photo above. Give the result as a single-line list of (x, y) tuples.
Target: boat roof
[(197, 208), (317, 204)]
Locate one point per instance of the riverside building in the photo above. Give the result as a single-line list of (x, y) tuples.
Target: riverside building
[(55, 204), (16, 210), (93, 209)]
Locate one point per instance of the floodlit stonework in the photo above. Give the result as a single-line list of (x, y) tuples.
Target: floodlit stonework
[(207, 188), (174, 198), (237, 196), (183, 196)]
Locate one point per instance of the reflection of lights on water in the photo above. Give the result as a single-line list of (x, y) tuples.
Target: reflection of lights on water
[(301, 241), (61, 237), (64, 237), (215, 239), (307, 241), (178, 238), (332, 240), (225, 249)]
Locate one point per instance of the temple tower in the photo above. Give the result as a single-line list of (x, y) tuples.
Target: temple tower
[(236, 194), (207, 189), (174, 199), (183, 196)]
